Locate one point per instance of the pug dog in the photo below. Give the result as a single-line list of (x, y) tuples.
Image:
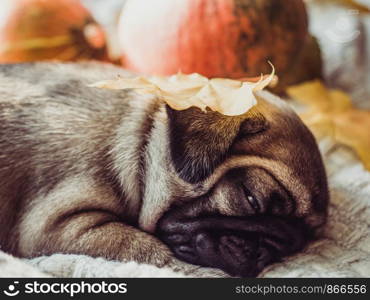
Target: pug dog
[(112, 174)]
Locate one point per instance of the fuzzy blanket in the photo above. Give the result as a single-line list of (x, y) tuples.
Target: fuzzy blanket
[(343, 250)]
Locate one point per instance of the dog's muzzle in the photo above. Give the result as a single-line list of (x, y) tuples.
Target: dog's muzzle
[(240, 246)]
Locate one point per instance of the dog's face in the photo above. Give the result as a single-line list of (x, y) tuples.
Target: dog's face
[(240, 192)]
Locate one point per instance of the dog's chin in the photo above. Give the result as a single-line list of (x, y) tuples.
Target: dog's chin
[(240, 246)]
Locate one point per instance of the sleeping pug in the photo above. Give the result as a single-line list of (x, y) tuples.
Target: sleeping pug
[(117, 175)]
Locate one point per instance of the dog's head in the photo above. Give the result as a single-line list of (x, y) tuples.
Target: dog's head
[(237, 193)]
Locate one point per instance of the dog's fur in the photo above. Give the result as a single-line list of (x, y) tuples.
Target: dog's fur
[(113, 174)]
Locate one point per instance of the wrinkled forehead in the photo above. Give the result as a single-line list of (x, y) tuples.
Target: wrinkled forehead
[(285, 131), (287, 141), (204, 147)]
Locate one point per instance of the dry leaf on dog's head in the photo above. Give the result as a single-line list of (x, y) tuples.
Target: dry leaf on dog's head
[(180, 92)]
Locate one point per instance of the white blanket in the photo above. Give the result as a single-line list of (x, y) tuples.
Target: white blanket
[(343, 250)]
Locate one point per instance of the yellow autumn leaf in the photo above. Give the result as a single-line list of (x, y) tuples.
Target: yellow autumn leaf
[(331, 113), (180, 92), (353, 129), (313, 94)]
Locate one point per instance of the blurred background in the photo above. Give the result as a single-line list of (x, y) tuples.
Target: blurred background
[(342, 31), (154, 32), (327, 41)]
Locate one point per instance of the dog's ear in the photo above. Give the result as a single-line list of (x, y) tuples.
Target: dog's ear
[(200, 141)]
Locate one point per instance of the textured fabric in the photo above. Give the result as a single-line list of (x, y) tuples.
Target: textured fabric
[(12, 267), (84, 266)]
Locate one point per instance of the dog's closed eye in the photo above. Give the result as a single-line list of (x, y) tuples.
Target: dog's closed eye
[(252, 200)]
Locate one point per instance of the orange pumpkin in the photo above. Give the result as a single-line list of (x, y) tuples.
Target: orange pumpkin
[(216, 38), (32, 30)]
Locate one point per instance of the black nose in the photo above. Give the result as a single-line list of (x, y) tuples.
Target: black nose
[(239, 246), (232, 253)]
